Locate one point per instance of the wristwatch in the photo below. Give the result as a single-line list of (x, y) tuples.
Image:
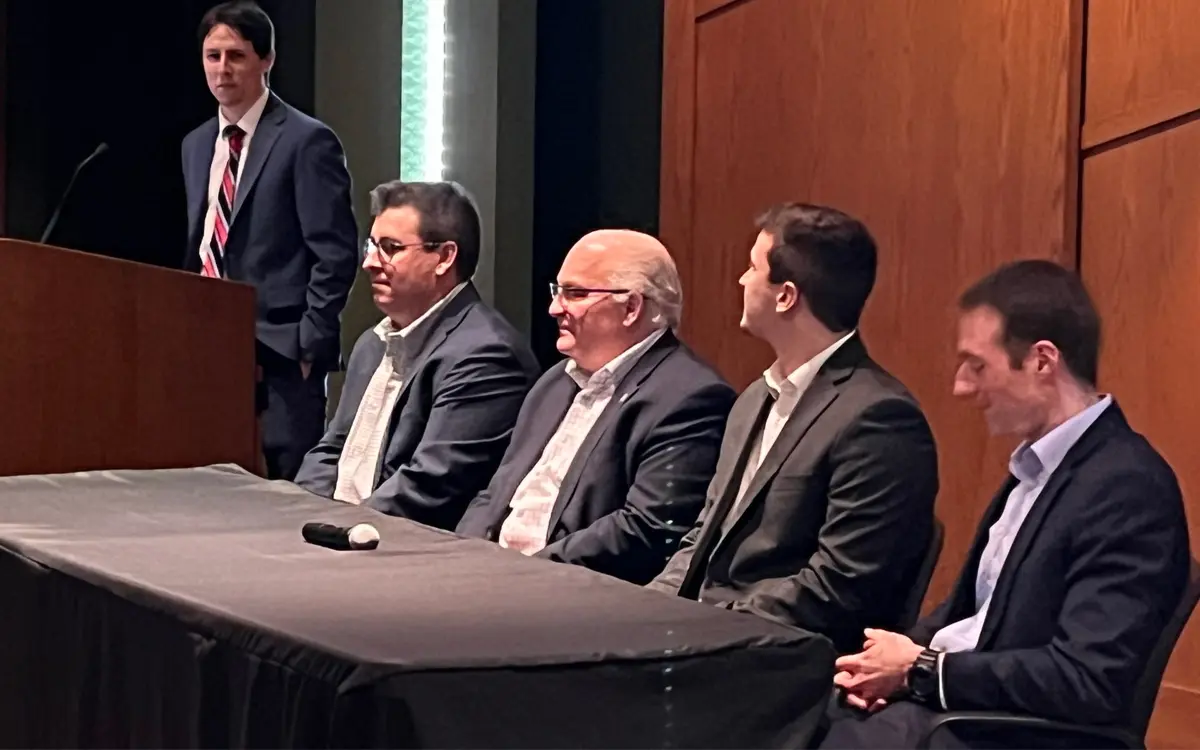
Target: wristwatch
[(923, 680)]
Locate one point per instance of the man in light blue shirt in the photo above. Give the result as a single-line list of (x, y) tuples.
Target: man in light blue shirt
[(1078, 563)]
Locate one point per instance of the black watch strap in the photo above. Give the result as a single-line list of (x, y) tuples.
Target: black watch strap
[(923, 678)]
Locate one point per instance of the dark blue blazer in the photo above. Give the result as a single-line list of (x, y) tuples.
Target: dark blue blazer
[(637, 483), (292, 237), (1094, 573), (452, 421)]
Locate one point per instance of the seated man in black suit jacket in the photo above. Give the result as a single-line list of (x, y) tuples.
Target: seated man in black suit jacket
[(821, 509), (614, 446), (1078, 563), (432, 392)]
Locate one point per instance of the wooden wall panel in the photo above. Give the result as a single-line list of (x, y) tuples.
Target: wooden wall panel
[(1140, 255), (944, 125), (1143, 65), (1141, 261), (3, 112)]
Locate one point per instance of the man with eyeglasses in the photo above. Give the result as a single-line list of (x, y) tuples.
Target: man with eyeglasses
[(432, 392), (614, 446)]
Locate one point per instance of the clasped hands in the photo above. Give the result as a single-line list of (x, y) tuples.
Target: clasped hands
[(876, 674)]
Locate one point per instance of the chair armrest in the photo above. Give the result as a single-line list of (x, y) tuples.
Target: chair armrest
[(1121, 737)]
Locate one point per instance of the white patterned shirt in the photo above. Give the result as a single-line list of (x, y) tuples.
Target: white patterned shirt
[(787, 391), (532, 504), (358, 464)]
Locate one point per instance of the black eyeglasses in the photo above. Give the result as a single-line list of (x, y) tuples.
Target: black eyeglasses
[(576, 293), (389, 248)]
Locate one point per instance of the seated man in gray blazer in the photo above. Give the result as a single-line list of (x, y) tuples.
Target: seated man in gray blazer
[(614, 446), (821, 509), (432, 392)]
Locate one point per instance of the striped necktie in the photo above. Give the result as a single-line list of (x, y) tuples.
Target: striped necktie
[(214, 259)]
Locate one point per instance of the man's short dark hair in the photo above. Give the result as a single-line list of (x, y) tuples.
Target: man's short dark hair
[(245, 17), (828, 255), (447, 211), (1039, 300)]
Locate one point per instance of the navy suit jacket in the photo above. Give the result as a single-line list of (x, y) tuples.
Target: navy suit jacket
[(637, 482), (1095, 572), (452, 421), (292, 237)]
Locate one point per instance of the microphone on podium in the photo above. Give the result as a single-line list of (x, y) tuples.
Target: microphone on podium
[(67, 193), (359, 536)]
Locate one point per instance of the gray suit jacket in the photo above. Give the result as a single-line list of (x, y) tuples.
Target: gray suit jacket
[(838, 516), (452, 421), (636, 484)]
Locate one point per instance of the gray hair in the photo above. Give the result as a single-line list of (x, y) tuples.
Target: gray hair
[(654, 276)]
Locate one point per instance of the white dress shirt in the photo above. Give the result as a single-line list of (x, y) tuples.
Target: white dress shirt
[(786, 390), (1032, 465), (532, 503), (358, 464), (216, 170)]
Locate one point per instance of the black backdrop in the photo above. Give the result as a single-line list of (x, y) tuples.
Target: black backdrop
[(128, 73)]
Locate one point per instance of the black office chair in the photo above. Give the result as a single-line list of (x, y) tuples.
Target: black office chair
[(1133, 735), (912, 608)]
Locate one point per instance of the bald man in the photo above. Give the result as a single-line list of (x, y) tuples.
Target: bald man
[(614, 447)]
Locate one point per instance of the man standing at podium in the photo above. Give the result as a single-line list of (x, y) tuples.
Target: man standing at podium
[(268, 197)]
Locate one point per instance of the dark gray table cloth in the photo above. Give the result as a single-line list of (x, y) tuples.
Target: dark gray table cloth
[(182, 608)]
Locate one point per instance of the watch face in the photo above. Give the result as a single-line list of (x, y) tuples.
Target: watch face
[(922, 678), (922, 681)]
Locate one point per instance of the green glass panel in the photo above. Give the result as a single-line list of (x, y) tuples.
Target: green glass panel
[(413, 45)]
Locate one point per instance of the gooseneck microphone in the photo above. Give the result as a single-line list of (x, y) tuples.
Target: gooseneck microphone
[(359, 536), (67, 193)]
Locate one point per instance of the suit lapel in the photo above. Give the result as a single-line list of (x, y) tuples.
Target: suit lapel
[(624, 391), (812, 404), (444, 323), (270, 125), (758, 402), (551, 409), (1020, 547), (1032, 524), (198, 174), (962, 595)]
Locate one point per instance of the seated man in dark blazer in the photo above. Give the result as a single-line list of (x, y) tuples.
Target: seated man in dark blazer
[(1077, 565), (821, 509), (614, 446), (432, 392)]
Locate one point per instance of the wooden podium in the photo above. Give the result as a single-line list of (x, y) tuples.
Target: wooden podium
[(110, 364)]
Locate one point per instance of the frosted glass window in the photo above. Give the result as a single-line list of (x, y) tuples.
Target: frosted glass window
[(422, 89)]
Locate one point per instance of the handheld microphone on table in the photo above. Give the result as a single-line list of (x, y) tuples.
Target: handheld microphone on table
[(359, 536)]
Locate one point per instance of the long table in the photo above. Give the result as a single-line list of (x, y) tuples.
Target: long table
[(182, 609)]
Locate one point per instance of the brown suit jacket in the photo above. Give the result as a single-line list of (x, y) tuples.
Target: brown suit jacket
[(836, 520)]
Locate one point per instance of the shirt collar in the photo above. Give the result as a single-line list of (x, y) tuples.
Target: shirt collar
[(799, 379), (618, 366), (412, 336), (1033, 463), (249, 120)]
